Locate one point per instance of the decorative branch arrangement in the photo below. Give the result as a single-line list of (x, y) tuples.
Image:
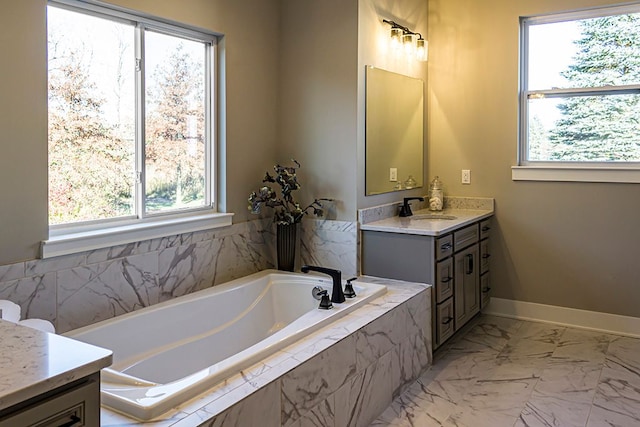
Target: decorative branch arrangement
[(287, 210)]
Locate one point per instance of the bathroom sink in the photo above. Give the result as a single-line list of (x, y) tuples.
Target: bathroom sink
[(433, 216)]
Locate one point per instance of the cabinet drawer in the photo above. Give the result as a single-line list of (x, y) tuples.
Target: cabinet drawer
[(465, 237), (444, 280), (485, 288), (444, 321), (485, 228), (444, 246), (484, 256)]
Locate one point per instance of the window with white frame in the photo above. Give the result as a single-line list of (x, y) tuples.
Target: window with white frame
[(131, 129), (580, 89)]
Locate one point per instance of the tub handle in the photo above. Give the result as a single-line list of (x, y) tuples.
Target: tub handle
[(325, 302), (316, 292)]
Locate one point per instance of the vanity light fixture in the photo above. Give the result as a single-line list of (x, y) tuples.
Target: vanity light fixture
[(403, 36)]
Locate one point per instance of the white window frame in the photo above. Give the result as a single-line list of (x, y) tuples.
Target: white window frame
[(90, 235), (527, 170)]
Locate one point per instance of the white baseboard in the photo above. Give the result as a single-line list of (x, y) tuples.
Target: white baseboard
[(583, 319)]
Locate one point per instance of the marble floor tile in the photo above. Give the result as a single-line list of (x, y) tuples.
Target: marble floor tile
[(505, 372)]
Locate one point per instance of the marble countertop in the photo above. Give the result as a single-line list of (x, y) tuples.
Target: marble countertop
[(33, 362), (428, 227)]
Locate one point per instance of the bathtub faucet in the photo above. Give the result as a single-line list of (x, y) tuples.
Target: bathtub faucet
[(337, 295)]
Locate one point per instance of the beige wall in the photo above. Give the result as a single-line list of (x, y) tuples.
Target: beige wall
[(250, 29), (373, 36), (318, 89), (566, 244), (23, 129)]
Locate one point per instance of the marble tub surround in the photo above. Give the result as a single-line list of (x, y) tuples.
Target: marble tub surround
[(344, 374), (35, 362), (507, 372), (76, 290), (389, 210)]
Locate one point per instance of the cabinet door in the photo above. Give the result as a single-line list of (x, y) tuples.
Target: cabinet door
[(484, 256), (485, 287), (444, 321), (444, 280), (467, 285)]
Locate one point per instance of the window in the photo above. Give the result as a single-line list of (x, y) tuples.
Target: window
[(580, 90), (131, 128)]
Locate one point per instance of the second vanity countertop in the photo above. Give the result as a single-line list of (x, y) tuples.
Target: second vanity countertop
[(34, 362), (429, 227)]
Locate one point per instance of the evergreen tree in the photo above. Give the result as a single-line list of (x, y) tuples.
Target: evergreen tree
[(602, 128)]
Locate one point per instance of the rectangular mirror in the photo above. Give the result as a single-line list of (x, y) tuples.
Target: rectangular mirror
[(394, 132)]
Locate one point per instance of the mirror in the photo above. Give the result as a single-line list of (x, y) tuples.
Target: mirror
[(394, 132)]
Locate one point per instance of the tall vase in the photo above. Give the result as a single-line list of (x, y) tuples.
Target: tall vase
[(286, 244)]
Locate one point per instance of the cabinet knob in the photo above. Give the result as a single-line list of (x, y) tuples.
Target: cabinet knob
[(485, 256), (485, 290), (486, 228), (446, 279), (447, 320), (446, 247)]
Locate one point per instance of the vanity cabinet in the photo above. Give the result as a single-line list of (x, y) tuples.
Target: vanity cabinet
[(73, 405), (456, 263)]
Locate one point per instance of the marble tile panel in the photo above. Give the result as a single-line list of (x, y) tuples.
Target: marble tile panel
[(114, 252), (329, 243), (623, 360), (505, 396), (478, 418), (543, 332), (322, 415), (242, 253), (554, 410), (419, 405), (312, 382), (577, 344), (261, 408), (186, 269), (521, 348), (369, 395), (36, 296), (100, 291), (377, 213), (12, 272), (414, 358), (49, 265), (380, 336), (616, 403)]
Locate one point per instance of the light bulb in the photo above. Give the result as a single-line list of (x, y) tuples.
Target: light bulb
[(422, 49), (407, 42), (395, 38)]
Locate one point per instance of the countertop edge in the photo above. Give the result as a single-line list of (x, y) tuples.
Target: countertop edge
[(449, 226)]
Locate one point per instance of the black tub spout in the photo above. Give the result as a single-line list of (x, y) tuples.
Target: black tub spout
[(337, 295)]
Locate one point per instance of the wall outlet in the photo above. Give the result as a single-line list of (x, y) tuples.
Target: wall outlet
[(393, 174), (466, 176)]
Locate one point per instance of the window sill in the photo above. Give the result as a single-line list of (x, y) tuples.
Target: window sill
[(75, 242), (576, 174)]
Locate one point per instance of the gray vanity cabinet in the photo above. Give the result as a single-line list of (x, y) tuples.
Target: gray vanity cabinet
[(467, 290), (455, 263)]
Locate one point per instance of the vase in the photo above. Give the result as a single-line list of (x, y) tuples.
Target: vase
[(286, 246)]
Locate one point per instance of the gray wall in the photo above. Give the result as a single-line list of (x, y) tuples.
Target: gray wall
[(250, 47), (565, 244)]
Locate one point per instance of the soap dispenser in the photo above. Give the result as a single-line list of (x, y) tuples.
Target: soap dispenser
[(436, 196)]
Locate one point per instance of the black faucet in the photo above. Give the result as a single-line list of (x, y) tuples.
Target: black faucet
[(337, 295), (405, 209)]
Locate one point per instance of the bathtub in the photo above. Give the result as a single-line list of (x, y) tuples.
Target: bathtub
[(165, 354)]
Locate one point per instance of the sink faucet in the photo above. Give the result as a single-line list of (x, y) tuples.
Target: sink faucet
[(405, 209), (337, 295)]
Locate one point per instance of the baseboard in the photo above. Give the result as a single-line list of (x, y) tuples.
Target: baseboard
[(583, 319)]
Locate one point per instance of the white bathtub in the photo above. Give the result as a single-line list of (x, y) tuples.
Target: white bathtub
[(166, 354)]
